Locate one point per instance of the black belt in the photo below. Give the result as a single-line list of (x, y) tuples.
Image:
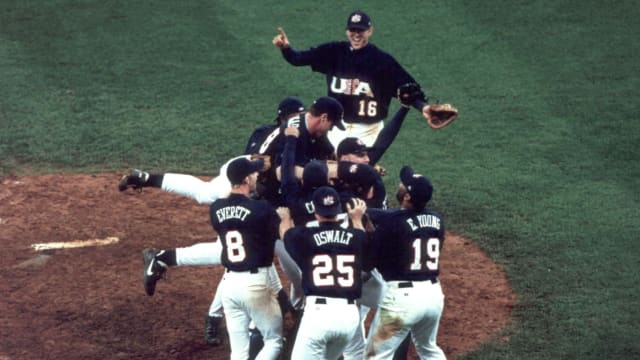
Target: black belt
[(253, 270), (409, 284), (323, 301)]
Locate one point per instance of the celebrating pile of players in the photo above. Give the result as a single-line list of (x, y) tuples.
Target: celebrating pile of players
[(308, 191)]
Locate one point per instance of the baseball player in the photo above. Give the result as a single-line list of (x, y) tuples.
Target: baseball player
[(312, 143), (288, 108), (331, 260), (248, 230), (360, 75), (156, 262), (406, 250), (315, 123)]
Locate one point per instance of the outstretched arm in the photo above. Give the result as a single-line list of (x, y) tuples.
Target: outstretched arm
[(387, 135), (293, 57)]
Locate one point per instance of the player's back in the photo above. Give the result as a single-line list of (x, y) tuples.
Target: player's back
[(248, 230), (407, 244), (330, 258)]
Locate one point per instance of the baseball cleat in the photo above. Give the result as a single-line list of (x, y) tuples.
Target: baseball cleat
[(135, 179), (153, 270), (211, 330)]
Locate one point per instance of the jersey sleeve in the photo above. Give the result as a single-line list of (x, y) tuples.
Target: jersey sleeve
[(319, 58), (289, 183), (387, 135), (293, 245)]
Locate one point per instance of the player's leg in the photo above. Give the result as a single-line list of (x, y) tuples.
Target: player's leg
[(204, 192), (424, 332), (402, 352), (262, 305), (390, 324), (201, 254), (234, 300), (325, 329), (256, 340), (372, 291), (344, 327), (157, 261), (213, 320)]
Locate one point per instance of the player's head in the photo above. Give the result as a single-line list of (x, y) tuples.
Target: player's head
[(315, 175), (357, 178), (359, 29), (414, 190), (243, 171), (326, 112), (354, 150), (288, 108), (326, 202)]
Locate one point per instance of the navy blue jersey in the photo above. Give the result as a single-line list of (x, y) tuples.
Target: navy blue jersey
[(407, 244), (364, 81), (257, 138), (248, 230), (307, 148), (294, 196), (330, 258)]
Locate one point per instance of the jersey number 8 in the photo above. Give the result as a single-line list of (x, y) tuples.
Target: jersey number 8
[(235, 246)]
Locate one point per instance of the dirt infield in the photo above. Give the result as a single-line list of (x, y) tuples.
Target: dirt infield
[(89, 303)]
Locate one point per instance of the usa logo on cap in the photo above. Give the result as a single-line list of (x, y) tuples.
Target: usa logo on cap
[(329, 200)]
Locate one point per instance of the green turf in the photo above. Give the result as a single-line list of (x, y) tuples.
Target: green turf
[(541, 169)]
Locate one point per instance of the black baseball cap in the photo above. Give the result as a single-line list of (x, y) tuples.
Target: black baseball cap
[(315, 175), (331, 107), (418, 186), (288, 106), (359, 20), (351, 145), (242, 167), (361, 175), (326, 202)]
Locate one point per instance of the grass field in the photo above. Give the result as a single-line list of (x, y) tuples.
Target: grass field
[(541, 168)]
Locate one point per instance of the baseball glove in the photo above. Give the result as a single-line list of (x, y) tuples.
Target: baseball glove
[(410, 92), (440, 115)]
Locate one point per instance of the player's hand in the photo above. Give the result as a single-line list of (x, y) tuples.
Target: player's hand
[(281, 40), (283, 212), (292, 131), (356, 208), (380, 170)]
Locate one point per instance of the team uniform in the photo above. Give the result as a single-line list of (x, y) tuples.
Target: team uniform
[(307, 148), (364, 81), (406, 251), (248, 230), (331, 260)]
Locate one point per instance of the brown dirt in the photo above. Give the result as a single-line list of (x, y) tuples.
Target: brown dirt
[(89, 303)]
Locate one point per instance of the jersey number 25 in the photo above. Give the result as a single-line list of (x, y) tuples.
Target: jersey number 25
[(324, 266)]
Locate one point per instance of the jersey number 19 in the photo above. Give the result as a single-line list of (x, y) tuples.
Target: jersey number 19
[(432, 250)]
